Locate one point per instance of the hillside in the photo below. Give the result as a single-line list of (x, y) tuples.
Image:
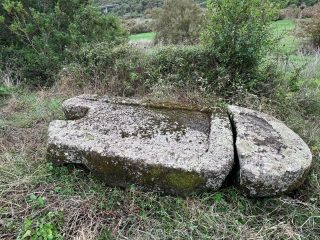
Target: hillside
[(133, 8), (136, 8)]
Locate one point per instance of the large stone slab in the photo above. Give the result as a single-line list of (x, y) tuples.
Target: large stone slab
[(128, 142), (272, 158)]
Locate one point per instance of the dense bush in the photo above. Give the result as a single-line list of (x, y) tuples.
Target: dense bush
[(4, 91), (38, 39), (178, 22), (294, 11), (239, 35), (185, 66), (230, 58), (116, 70), (312, 27), (124, 70), (290, 12), (138, 25)]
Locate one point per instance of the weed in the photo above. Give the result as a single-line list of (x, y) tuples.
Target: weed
[(43, 228), (5, 91), (36, 201)]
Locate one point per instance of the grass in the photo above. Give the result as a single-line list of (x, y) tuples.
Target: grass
[(284, 30), (38, 199), (291, 60), (4, 91), (284, 25), (142, 36), (30, 109)]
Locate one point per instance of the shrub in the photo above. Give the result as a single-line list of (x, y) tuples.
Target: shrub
[(4, 90), (109, 68), (312, 27), (124, 70), (304, 11), (135, 26), (39, 39), (239, 35), (290, 12), (43, 228), (192, 66), (178, 22)]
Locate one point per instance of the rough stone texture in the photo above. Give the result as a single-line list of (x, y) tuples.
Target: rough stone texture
[(272, 158), (128, 142)]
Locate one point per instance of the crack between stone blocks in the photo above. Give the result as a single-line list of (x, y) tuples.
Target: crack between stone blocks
[(233, 175)]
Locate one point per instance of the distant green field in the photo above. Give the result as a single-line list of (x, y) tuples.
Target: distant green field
[(283, 29), (289, 45), (142, 36), (284, 25)]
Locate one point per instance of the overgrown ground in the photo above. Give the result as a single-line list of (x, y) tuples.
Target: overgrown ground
[(38, 199)]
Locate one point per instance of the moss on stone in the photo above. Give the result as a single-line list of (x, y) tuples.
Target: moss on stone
[(117, 172), (156, 172), (184, 180)]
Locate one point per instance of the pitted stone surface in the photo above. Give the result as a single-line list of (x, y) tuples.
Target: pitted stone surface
[(272, 158), (129, 142), (178, 149)]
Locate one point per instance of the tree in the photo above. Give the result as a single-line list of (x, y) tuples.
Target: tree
[(178, 22)]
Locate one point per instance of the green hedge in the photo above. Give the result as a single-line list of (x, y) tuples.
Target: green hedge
[(124, 69)]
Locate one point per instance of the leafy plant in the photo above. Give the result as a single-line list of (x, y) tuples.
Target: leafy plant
[(239, 34), (45, 228), (5, 91), (312, 27), (37, 201), (38, 38)]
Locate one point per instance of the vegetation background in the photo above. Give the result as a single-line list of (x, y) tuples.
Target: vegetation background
[(245, 52)]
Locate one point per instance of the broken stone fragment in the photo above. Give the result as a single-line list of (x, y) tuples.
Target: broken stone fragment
[(128, 142), (272, 158)]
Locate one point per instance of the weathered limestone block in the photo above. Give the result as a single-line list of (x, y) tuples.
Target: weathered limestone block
[(272, 158), (127, 142)]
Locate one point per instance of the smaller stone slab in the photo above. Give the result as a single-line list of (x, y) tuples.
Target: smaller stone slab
[(272, 158), (128, 142)]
